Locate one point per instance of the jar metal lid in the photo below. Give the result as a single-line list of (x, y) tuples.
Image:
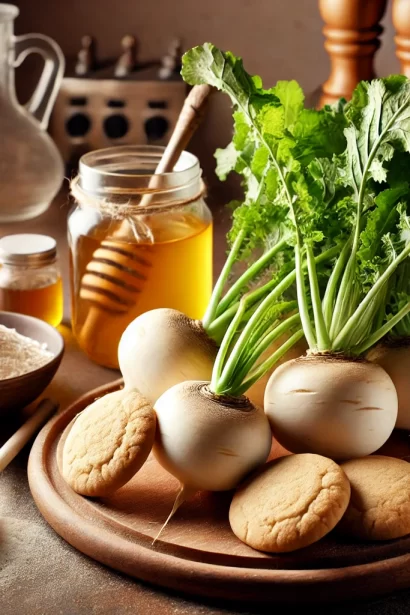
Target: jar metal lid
[(28, 249)]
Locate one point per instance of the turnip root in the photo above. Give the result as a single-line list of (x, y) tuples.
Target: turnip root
[(331, 406), (395, 360), (209, 442), (162, 348)]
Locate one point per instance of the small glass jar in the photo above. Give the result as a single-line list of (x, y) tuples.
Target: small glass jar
[(138, 241), (30, 280)]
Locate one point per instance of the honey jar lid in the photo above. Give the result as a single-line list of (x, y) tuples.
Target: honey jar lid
[(28, 249)]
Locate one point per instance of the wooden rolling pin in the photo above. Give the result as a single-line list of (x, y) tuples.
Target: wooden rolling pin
[(116, 274)]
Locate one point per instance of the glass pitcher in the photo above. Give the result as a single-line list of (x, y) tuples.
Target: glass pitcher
[(31, 169)]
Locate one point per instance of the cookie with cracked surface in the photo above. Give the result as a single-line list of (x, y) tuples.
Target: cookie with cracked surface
[(289, 503), (379, 507), (108, 443)]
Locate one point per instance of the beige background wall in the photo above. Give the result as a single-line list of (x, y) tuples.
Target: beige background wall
[(278, 39)]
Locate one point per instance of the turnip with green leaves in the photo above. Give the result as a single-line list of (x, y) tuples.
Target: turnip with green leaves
[(331, 404), (357, 201)]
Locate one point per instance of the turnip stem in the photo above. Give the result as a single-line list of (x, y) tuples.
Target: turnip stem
[(269, 322), (226, 342), (219, 286), (329, 298), (248, 275), (343, 299), (323, 341), (270, 362), (218, 327), (263, 345), (243, 339), (249, 328), (216, 330), (302, 299), (388, 326), (366, 324), (273, 335), (373, 292)]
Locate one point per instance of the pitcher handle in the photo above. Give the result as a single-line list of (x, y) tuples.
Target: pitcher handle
[(43, 97)]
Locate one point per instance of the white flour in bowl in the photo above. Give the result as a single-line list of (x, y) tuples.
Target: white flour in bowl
[(19, 354)]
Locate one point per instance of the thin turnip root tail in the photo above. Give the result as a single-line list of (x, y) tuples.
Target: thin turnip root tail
[(183, 494)]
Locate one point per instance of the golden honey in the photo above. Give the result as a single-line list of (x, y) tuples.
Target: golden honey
[(45, 302), (30, 280), (173, 270)]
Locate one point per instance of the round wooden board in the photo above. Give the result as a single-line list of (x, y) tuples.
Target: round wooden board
[(198, 554)]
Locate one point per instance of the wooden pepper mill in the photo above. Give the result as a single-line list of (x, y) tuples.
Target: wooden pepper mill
[(352, 33), (116, 274), (401, 21)]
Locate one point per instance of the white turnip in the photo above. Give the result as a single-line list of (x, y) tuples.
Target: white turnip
[(162, 348), (394, 358), (331, 406), (207, 441)]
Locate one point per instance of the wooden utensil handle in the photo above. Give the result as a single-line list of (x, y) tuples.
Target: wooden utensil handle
[(188, 121), (14, 445)]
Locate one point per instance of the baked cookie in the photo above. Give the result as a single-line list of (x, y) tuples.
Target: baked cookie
[(289, 503), (379, 507), (108, 443)]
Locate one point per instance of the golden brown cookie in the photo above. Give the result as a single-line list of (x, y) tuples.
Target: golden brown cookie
[(379, 508), (290, 503), (108, 443)]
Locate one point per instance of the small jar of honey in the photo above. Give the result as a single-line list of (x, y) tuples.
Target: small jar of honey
[(30, 280), (138, 241)]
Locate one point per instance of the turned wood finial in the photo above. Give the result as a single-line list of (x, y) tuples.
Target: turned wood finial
[(86, 57), (352, 33), (401, 21), (127, 61), (171, 61)]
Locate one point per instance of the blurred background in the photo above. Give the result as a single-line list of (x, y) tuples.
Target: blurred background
[(277, 39)]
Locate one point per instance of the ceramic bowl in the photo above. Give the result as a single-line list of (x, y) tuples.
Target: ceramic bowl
[(22, 390)]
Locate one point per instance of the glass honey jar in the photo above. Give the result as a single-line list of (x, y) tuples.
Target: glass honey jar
[(138, 241), (30, 279)]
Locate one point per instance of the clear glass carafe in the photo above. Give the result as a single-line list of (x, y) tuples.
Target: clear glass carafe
[(31, 169)]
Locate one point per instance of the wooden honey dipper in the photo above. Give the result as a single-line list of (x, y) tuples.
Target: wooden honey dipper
[(116, 274)]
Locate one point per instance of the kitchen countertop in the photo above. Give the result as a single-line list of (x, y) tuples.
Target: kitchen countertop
[(40, 574)]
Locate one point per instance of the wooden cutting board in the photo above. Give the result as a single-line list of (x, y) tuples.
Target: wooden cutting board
[(198, 554)]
